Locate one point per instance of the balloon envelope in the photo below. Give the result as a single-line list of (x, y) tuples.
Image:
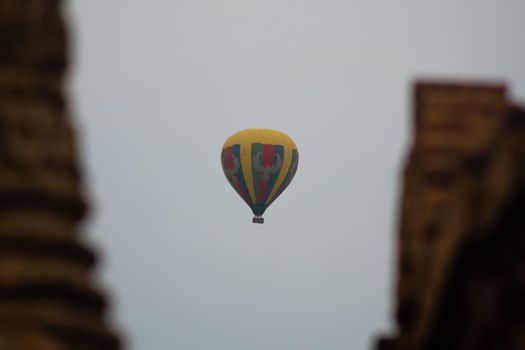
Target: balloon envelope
[(259, 164)]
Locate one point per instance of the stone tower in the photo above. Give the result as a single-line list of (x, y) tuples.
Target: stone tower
[(48, 300), (461, 272)]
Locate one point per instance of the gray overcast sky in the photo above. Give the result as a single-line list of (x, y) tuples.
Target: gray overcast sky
[(157, 88)]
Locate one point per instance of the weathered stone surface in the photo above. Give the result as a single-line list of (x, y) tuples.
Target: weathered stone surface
[(21, 338), (48, 299), (461, 250)]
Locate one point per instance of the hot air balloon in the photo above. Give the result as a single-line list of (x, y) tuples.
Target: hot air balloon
[(259, 164)]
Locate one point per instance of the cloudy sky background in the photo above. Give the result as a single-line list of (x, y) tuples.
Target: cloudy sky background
[(157, 87)]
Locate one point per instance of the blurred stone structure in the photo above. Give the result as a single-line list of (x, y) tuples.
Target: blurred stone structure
[(48, 300), (461, 244)]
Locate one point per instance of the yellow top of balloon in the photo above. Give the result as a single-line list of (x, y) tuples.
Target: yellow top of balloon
[(261, 136)]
